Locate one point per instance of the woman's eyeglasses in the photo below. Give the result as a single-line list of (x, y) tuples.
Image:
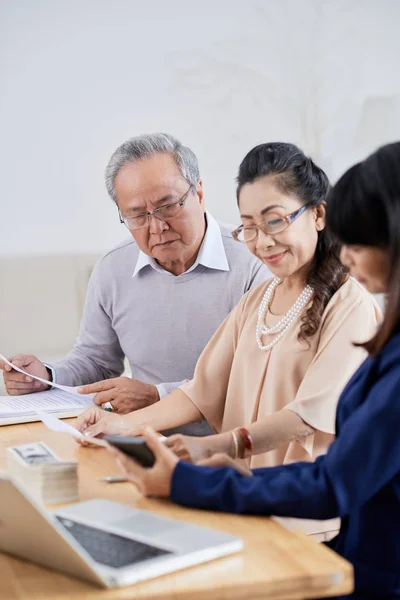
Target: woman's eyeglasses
[(249, 234)]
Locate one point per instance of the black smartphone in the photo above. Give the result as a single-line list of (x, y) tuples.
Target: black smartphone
[(133, 446)]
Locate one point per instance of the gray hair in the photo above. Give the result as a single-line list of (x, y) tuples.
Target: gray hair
[(143, 146)]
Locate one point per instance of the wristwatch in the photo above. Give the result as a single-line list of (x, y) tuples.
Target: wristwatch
[(50, 372)]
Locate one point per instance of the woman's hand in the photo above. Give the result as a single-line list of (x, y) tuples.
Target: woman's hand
[(223, 460), (124, 393), (98, 422), (189, 448), (155, 481)]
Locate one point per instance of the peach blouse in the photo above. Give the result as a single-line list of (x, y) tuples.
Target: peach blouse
[(235, 383)]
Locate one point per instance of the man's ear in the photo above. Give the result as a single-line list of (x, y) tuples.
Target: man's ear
[(199, 191)]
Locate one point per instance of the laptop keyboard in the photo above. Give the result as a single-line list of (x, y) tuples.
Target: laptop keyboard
[(108, 548)]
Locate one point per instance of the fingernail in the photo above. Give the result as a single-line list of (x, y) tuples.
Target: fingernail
[(80, 390), (28, 379), (88, 434), (37, 384)]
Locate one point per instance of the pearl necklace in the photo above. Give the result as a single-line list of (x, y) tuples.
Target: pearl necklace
[(283, 325)]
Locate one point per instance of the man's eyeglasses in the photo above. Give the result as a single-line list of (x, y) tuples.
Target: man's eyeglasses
[(163, 213), (249, 234)]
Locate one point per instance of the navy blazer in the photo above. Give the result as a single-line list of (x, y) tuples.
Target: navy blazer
[(358, 479)]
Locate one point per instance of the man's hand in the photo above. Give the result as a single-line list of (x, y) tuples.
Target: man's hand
[(16, 383), (97, 422), (124, 393)]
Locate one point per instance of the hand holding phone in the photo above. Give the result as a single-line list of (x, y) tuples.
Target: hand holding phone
[(135, 447)]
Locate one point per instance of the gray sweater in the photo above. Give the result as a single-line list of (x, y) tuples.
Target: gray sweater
[(160, 322)]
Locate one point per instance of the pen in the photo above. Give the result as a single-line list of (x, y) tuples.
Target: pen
[(113, 479)]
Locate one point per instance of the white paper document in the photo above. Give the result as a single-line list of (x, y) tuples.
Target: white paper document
[(65, 388), (56, 425), (52, 401), (62, 400)]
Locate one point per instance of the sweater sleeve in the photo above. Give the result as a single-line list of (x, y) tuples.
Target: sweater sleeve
[(364, 458), (97, 353)]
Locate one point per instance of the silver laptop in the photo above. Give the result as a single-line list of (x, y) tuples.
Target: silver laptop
[(104, 542)]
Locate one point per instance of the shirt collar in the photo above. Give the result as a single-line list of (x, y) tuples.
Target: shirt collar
[(211, 253)]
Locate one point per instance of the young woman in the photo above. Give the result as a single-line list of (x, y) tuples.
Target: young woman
[(270, 363), (359, 478)]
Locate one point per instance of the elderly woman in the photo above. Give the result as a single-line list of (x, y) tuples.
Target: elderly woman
[(359, 478), (281, 358)]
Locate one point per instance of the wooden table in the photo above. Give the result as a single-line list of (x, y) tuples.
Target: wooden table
[(275, 563)]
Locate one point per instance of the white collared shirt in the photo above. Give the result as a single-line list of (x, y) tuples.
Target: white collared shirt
[(211, 253)]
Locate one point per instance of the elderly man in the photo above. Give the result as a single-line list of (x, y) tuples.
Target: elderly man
[(158, 297)]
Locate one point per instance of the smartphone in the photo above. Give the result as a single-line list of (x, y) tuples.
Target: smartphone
[(133, 446)]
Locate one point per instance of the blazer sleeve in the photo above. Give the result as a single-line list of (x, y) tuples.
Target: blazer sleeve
[(364, 458)]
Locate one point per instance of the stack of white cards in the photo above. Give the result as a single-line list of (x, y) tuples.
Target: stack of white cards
[(48, 478)]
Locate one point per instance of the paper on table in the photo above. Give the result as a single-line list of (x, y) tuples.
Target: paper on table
[(65, 388), (56, 401), (56, 425)]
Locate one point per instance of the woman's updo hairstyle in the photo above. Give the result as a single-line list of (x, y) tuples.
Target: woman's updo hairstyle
[(297, 175)]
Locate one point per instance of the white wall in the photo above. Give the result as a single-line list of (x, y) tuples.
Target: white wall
[(78, 77)]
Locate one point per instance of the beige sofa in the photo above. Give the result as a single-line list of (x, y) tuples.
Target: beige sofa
[(41, 301)]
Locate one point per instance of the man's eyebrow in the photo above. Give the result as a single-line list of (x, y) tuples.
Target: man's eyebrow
[(164, 200), (264, 211), (159, 202), (141, 209)]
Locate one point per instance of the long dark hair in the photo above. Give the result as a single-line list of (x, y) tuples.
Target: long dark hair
[(297, 175), (364, 210)]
